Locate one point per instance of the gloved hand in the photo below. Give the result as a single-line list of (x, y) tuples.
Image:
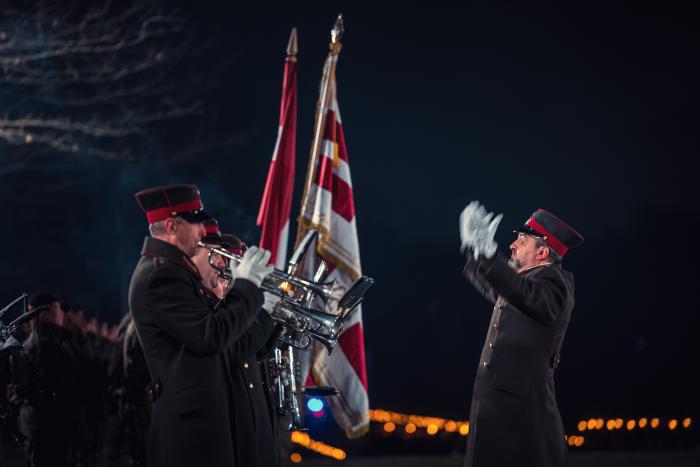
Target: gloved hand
[(477, 230), (253, 267), (271, 300)]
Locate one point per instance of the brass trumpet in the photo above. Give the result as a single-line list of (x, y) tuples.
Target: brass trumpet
[(289, 287), (311, 323)]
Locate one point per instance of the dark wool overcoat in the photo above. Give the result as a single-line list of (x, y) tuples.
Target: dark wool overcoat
[(255, 420), (514, 419), (184, 341)]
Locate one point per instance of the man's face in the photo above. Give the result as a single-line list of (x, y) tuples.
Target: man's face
[(210, 276), (524, 252), (187, 235)]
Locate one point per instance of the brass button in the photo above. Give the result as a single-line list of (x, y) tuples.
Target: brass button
[(250, 385), (245, 365), (485, 364), (495, 326), (490, 345), (161, 260)]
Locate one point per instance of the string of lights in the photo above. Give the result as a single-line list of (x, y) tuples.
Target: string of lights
[(322, 448), (395, 422)]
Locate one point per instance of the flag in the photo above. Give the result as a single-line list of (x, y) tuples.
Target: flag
[(276, 203), (329, 208)]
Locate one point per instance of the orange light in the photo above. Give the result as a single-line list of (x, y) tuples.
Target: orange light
[(450, 427), (464, 429), (579, 441), (591, 423), (571, 440), (295, 457), (672, 424), (410, 428), (610, 425), (339, 454), (432, 429), (687, 422), (389, 427), (582, 425), (643, 422), (631, 424), (654, 422), (599, 424), (618, 423)]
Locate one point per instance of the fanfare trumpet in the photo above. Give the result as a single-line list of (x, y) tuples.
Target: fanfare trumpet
[(294, 311), (287, 286)]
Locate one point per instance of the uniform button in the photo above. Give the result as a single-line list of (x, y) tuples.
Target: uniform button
[(201, 292), (490, 345), (495, 326), (250, 385), (245, 365), (485, 364)]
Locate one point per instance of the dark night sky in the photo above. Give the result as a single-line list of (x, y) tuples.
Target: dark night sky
[(588, 110)]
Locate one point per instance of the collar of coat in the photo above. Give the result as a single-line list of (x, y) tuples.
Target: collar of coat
[(156, 248), (531, 268)]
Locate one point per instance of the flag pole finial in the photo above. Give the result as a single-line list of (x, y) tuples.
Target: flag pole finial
[(292, 46), (337, 34)]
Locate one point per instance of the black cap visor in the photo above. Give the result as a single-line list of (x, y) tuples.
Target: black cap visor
[(214, 239), (195, 217)]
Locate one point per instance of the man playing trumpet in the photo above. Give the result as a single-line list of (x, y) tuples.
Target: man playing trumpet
[(184, 337), (253, 412)]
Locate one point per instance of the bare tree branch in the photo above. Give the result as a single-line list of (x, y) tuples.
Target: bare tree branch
[(88, 78)]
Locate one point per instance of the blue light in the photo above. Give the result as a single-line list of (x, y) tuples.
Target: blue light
[(315, 404)]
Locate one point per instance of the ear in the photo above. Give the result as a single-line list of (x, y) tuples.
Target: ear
[(169, 225), (542, 253)]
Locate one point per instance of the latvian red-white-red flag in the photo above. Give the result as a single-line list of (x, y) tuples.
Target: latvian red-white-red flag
[(329, 208), (276, 202)]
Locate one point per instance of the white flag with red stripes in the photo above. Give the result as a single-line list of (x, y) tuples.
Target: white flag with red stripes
[(276, 202), (329, 208)]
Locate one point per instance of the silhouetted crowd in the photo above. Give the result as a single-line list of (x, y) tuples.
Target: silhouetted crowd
[(73, 391)]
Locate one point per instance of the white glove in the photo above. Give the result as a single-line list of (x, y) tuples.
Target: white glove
[(253, 267), (271, 301), (477, 229)]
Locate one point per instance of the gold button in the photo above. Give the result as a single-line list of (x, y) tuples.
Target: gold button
[(245, 365), (250, 385), (490, 345), (485, 364), (495, 326)]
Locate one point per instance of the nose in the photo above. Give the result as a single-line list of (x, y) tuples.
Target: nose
[(514, 245)]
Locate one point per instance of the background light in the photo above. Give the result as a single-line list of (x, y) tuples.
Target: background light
[(315, 404)]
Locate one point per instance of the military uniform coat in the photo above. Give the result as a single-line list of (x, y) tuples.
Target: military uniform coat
[(254, 428), (184, 340), (514, 419)]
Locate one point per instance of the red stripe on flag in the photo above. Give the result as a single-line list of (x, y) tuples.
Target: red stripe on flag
[(342, 148), (352, 341), (276, 203), (343, 203)]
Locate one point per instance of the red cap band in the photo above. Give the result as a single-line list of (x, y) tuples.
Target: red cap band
[(550, 239), (160, 214)]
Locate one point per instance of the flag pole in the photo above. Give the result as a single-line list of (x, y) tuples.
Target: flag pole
[(320, 121)]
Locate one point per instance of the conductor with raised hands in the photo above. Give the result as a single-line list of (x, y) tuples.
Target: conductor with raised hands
[(514, 419)]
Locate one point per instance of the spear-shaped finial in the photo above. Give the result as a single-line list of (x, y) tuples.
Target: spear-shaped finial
[(292, 47), (337, 34)]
